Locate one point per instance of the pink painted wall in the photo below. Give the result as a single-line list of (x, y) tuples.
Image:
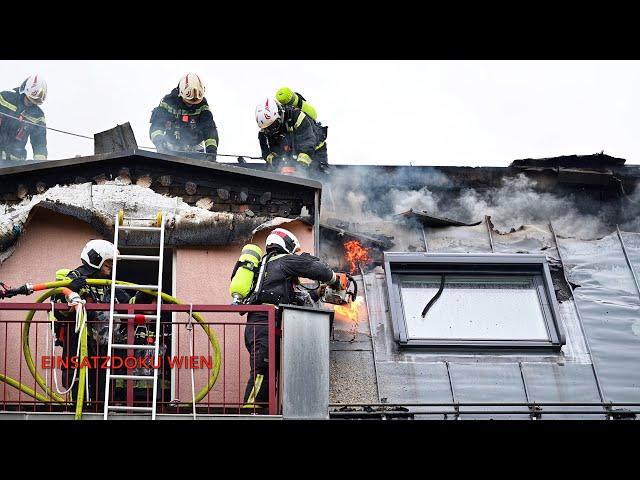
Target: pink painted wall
[(51, 241), (202, 276)]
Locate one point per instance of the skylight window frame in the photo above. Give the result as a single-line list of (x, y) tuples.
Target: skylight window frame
[(401, 265)]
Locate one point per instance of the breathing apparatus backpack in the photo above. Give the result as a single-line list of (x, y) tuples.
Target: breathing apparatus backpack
[(244, 273)]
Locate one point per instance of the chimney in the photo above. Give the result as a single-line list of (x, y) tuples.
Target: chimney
[(117, 139)]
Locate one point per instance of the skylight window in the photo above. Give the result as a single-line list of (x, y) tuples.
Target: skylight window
[(472, 300)]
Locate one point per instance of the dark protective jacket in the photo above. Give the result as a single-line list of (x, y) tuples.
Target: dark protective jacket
[(183, 126), (281, 274), (90, 293), (14, 133), (298, 133)]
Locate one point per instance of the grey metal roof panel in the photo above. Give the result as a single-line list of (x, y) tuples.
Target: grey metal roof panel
[(608, 302)]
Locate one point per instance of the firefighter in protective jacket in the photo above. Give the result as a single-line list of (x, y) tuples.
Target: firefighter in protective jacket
[(281, 269), (183, 121), (97, 258), (22, 118), (289, 131)]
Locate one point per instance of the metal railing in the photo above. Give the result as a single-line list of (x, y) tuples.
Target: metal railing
[(175, 392), (535, 410)]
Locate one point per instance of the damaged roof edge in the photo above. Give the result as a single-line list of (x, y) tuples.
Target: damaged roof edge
[(210, 233), (27, 166)]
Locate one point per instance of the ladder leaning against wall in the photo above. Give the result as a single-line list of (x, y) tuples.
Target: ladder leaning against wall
[(120, 225)]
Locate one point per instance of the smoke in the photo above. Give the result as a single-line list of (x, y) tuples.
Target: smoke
[(366, 194)]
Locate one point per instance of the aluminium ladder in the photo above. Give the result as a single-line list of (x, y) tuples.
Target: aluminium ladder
[(119, 225)]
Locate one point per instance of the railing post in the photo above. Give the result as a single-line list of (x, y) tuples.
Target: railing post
[(272, 360)]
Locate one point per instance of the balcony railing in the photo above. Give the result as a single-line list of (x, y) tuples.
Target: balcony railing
[(219, 384)]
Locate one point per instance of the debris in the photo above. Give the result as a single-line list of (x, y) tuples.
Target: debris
[(383, 244), (22, 191), (124, 177), (190, 188), (165, 180), (598, 160), (205, 203), (223, 193), (144, 181), (265, 197), (100, 179), (433, 221)]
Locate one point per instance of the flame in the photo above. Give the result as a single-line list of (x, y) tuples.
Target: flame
[(355, 254), (349, 311)]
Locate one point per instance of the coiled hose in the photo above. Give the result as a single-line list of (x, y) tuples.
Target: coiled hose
[(55, 287)]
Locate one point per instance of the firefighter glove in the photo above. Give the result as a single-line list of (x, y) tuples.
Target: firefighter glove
[(270, 158), (304, 159)]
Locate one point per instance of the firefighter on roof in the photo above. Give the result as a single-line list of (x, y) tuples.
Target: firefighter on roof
[(288, 133), (183, 123), (21, 118), (286, 96)]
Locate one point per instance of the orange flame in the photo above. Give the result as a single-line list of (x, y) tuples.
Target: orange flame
[(350, 311), (355, 254)]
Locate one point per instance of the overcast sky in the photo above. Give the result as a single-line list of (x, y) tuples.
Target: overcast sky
[(378, 112)]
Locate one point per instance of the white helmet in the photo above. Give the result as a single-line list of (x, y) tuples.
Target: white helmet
[(268, 112), (283, 238), (96, 252), (35, 89), (191, 89)]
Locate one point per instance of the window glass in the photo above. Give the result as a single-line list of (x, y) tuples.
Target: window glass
[(473, 308)]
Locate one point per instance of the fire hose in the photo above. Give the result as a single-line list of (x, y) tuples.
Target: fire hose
[(56, 287)]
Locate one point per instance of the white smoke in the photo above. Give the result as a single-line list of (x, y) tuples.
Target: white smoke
[(515, 203)]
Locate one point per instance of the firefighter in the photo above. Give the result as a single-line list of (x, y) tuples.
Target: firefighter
[(21, 118), (286, 96), (183, 121), (280, 267), (97, 261), (286, 132)]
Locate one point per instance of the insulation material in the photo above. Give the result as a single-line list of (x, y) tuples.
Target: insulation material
[(98, 204)]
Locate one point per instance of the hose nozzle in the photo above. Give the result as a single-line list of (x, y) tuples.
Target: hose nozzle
[(26, 289)]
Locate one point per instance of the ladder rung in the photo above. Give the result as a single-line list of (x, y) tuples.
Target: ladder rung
[(137, 347), (139, 257), (133, 377), (146, 229), (129, 315), (130, 287), (124, 408)]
